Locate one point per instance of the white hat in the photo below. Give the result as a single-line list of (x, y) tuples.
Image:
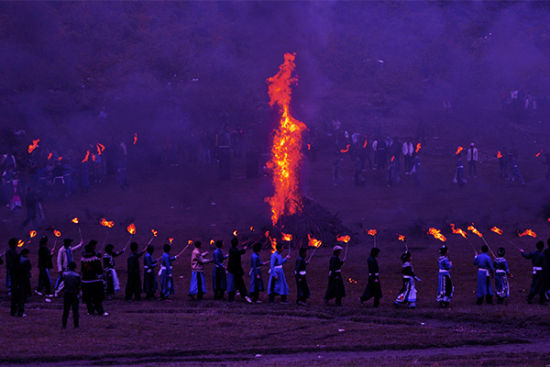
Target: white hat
[(335, 248)]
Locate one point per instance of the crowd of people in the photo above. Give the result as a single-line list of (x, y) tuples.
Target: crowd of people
[(98, 277)]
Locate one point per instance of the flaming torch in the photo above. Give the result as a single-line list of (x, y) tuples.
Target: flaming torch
[(345, 239), (20, 243), (436, 233), (480, 235), (459, 149), (76, 221), (33, 146), (286, 149), (403, 239), (418, 147), (155, 234), (528, 232), (497, 230), (372, 232), (313, 242), (458, 231), (32, 233)]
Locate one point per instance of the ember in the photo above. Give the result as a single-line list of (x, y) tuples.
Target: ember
[(50, 156), (528, 232), (539, 153), (499, 154), (436, 233), (285, 152), (135, 138)]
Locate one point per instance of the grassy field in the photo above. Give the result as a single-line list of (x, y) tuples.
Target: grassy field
[(185, 332)]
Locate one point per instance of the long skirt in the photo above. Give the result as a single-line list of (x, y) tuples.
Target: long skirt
[(277, 286), (373, 289), (219, 279), (445, 288), (335, 287), (302, 288), (407, 294), (197, 283), (502, 288), (150, 282)]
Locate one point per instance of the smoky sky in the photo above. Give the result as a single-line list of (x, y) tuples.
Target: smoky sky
[(78, 71)]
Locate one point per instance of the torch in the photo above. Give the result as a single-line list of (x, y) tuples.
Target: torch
[(287, 238), (345, 239), (76, 221), (189, 243), (132, 230), (372, 232), (313, 242), (155, 234), (403, 239), (107, 224), (57, 234), (461, 232), (480, 235)]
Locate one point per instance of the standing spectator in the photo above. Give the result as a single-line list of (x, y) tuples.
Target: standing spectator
[(472, 157), (44, 265), (72, 281), (133, 284), (92, 282)]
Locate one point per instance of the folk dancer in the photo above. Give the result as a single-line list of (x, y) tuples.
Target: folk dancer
[(407, 294), (112, 284), (373, 288), (219, 278), (445, 286), (133, 284), (484, 272), (335, 287), (235, 272), (64, 257), (301, 280), (72, 282), (256, 278), (538, 262), (165, 273), (277, 284), (92, 280), (149, 276), (502, 288), (44, 265), (198, 260)]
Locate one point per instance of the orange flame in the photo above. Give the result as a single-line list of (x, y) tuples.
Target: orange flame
[(436, 233), (75, 220), (458, 231), (273, 244), (401, 238), (154, 232), (344, 239), (33, 146), (365, 143), (20, 243), (459, 149), (212, 242), (252, 229), (528, 232), (57, 233), (32, 234), (346, 149), (100, 148), (352, 281), (286, 237), (135, 138), (171, 240), (538, 154), (313, 242), (93, 157), (131, 228), (372, 232), (106, 223), (497, 230), (59, 159), (499, 154), (418, 147), (474, 231), (235, 233), (50, 156), (86, 157), (285, 152), (309, 147), (189, 242)]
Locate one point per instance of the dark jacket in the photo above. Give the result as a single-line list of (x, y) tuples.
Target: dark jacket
[(72, 282), (234, 264), (44, 258)]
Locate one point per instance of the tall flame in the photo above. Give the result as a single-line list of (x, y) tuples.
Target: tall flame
[(458, 231), (287, 141), (85, 159)]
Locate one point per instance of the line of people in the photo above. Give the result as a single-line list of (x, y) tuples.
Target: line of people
[(99, 278)]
